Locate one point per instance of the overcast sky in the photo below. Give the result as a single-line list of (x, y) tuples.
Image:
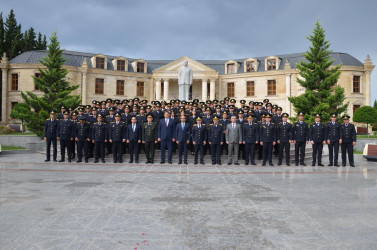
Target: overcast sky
[(202, 29)]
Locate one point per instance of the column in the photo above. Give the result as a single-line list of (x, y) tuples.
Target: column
[(83, 90), (4, 90), (204, 90), (212, 89), (166, 89), (288, 93), (367, 88), (158, 89)]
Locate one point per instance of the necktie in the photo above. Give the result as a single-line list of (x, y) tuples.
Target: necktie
[(300, 123), (117, 123), (250, 124), (333, 123), (166, 121), (317, 124), (133, 127), (183, 125), (99, 124), (199, 126), (284, 123), (234, 126)]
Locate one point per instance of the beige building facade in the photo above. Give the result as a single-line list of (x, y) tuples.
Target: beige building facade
[(101, 77)]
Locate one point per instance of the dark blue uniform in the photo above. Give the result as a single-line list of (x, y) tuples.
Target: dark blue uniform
[(224, 123), (65, 133), (207, 120), (199, 136), (317, 134), (348, 136), (82, 135), (134, 135), (216, 137), (183, 134), (51, 127), (250, 137), (99, 135), (284, 134), (117, 133), (109, 119), (267, 136), (301, 136), (333, 134)]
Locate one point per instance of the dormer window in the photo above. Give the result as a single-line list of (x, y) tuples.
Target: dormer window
[(271, 64), (121, 65), (251, 65), (231, 67), (140, 67), (100, 63)]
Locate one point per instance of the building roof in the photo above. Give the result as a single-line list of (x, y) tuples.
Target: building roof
[(76, 59)]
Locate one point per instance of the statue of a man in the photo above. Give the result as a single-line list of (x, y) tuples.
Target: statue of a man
[(184, 81)]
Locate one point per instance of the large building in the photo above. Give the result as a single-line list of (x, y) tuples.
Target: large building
[(101, 76)]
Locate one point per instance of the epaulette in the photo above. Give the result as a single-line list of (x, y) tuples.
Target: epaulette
[(211, 124), (195, 124), (107, 115), (112, 122), (96, 123), (47, 119), (137, 115), (220, 124)]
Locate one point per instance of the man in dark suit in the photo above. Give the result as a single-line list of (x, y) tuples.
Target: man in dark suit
[(50, 134), (166, 133), (317, 135), (348, 141), (182, 136), (134, 138), (300, 139), (284, 139), (332, 138), (65, 134), (250, 138), (215, 139), (117, 136), (99, 138)]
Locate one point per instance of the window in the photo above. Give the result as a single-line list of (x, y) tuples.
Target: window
[(140, 88), (231, 68), (14, 81), (231, 89), (208, 90), (13, 104), (271, 64), (356, 84), (250, 67), (271, 87), (100, 63), (37, 75), (120, 87), (162, 88), (355, 107), (121, 65), (140, 67), (99, 86), (250, 90)]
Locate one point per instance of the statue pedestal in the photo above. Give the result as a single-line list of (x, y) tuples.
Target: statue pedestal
[(184, 91)]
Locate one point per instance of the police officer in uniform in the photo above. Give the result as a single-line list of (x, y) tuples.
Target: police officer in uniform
[(215, 139), (65, 135), (300, 139), (284, 139), (50, 134), (82, 137), (332, 138), (108, 120), (199, 139), (267, 139), (99, 138), (117, 136), (133, 136), (250, 138), (73, 142), (348, 141), (317, 135), (149, 138)]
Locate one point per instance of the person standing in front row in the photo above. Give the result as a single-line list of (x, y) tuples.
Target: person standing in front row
[(99, 138), (149, 138), (347, 140), (300, 139), (182, 135), (65, 134), (199, 139), (51, 127), (332, 138), (215, 139), (317, 135), (267, 139), (233, 138), (250, 139), (166, 132), (82, 138), (133, 139), (284, 139), (117, 136)]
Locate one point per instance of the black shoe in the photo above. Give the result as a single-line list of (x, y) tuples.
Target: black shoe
[(95, 161), (137, 161), (170, 162), (180, 162), (186, 162), (152, 162), (162, 162), (229, 163), (353, 166), (120, 161), (130, 161), (47, 160), (336, 165), (62, 160), (78, 161), (279, 164), (213, 163), (296, 164), (147, 162), (313, 164), (202, 163), (330, 165), (86, 161), (69, 160), (219, 163), (288, 164), (236, 163), (195, 163), (253, 163), (115, 161), (263, 164), (103, 161), (321, 165), (343, 165), (271, 164), (303, 164)]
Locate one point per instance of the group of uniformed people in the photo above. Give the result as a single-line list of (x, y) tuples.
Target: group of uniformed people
[(250, 131)]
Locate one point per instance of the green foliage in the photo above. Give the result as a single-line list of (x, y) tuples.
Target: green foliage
[(319, 78), (375, 104), (35, 110), (365, 114), (5, 130)]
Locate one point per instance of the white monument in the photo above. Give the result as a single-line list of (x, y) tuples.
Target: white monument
[(184, 81)]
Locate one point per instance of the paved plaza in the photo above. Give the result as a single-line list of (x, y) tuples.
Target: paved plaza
[(128, 206)]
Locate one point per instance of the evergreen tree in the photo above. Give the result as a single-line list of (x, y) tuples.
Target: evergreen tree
[(366, 114), (1, 34), (12, 36), (30, 42), (322, 95), (57, 91), (375, 104)]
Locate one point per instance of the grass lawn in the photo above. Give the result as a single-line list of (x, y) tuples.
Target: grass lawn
[(358, 152), (26, 133), (366, 136), (12, 148)]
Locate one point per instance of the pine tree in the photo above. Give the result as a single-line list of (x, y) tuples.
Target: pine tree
[(1, 34), (322, 94), (57, 90), (12, 36), (30, 42)]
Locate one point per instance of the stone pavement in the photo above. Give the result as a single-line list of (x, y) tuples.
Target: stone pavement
[(129, 206)]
